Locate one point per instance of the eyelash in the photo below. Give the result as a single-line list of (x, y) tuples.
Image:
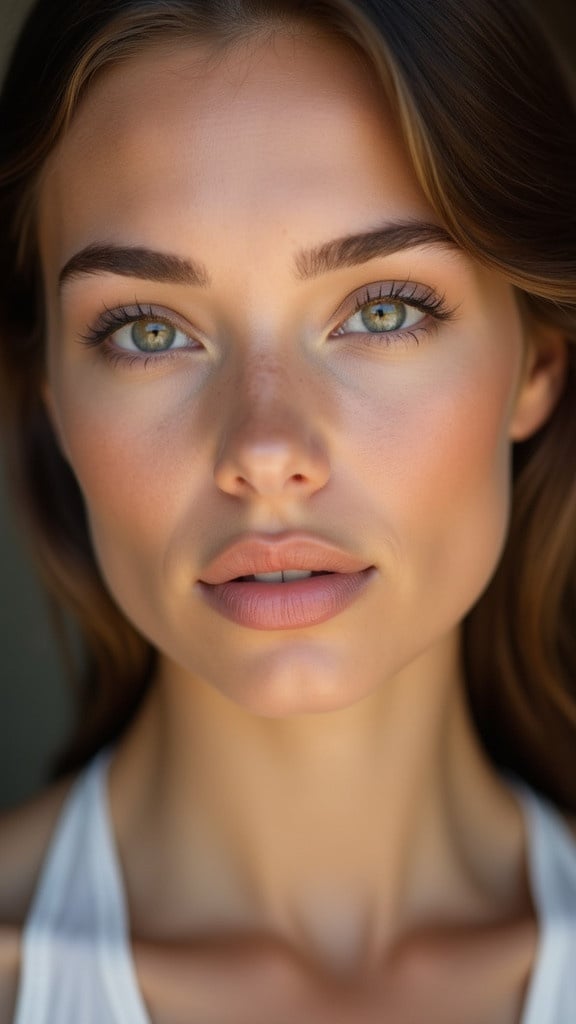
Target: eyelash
[(415, 296), (419, 297), (112, 320)]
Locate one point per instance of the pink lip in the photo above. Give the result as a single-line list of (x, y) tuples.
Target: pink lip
[(291, 605)]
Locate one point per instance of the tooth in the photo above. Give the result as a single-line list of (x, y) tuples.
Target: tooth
[(282, 576)]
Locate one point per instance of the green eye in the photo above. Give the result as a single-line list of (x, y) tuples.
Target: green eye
[(383, 316), (152, 335), (388, 314)]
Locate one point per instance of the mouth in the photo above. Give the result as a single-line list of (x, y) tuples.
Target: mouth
[(283, 581)]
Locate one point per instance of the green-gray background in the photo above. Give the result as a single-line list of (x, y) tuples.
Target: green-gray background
[(33, 697), (34, 708)]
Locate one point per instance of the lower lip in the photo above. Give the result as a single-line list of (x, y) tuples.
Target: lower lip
[(290, 605)]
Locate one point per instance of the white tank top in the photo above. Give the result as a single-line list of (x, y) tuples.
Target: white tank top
[(77, 966)]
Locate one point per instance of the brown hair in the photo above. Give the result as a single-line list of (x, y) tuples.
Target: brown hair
[(487, 110)]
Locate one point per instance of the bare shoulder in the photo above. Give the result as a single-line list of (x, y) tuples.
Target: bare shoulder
[(25, 833), (9, 971)]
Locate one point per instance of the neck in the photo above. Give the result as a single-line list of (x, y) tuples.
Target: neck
[(338, 832)]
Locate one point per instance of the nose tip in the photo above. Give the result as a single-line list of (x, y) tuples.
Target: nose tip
[(285, 463)]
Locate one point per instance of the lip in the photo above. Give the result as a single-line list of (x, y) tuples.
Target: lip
[(291, 605)]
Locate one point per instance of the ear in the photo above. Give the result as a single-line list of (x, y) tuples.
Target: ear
[(543, 378)]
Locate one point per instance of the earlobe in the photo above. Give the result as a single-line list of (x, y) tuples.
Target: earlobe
[(543, 379)]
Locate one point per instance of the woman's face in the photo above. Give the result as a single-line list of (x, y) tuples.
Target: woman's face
[(246, 395)]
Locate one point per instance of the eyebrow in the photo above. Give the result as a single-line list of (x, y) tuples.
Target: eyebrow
[(134, 261), (347, 251), (355, 249)]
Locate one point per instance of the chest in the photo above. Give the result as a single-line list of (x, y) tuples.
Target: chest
[(472, 982)]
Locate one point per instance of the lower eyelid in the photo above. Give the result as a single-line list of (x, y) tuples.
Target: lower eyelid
[(131, 360)]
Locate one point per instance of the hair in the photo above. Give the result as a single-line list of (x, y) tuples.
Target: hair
[(487, 109)]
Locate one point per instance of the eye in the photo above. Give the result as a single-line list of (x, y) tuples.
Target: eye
[(382, 316), (149, 335)]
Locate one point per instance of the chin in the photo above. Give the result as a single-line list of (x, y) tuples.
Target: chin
[(285, 685)]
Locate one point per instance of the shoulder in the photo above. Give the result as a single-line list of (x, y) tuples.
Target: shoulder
[(25, 833), (567, 820), (551, 859), (10, 939)]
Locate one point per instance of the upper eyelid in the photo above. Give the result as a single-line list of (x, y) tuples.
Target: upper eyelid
[(133, 312), (397, 288), (113, 319)]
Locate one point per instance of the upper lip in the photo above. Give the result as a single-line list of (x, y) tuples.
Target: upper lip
[(261, 553)]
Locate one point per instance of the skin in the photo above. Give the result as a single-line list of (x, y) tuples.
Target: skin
[(323, 787)]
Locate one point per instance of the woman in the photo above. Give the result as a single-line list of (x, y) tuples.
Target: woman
[(288, 378)]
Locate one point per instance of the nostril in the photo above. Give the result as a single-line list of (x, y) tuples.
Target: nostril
[(269, 470), (241, 481)]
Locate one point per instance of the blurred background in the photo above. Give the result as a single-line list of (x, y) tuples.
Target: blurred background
[(34, 709), (34, 705)]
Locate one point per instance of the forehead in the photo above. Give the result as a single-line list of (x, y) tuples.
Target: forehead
[(267, 128)]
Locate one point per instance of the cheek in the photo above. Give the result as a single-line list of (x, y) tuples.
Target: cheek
[(463, 483), (463, 451), (436, 459), (140, 462)]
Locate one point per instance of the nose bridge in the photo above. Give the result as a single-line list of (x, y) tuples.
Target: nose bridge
[(272, 438), (269, 390)]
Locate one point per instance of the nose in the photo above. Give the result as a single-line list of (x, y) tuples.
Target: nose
[(271, 447)]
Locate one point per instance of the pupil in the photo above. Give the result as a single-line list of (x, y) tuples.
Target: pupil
[(152, 335), (384, 316)]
